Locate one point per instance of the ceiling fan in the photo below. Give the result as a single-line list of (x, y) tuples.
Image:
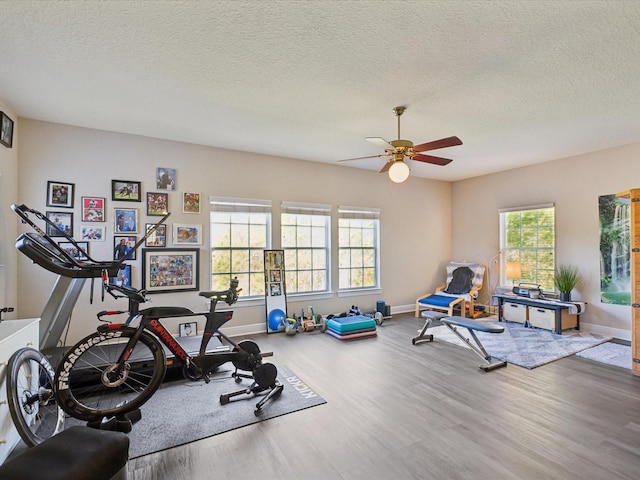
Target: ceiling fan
[(398, 149)]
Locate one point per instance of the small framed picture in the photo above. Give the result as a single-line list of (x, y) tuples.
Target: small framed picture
[(60, 194), (157, 204), (188, 329), (93, 209), (93, 233), (6, 130), (170, 269), (157, 238), (124, 277), (73, 251), (123, 247), (63, 222), (187, 234), (190, 202), (126, 220), (126, 191), (166, 178)]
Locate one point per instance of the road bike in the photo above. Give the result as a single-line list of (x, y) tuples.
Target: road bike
[(119, 367)]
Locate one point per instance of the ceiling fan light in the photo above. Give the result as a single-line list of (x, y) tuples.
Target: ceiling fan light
[(399, 172)]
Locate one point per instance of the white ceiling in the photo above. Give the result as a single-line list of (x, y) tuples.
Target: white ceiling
[(520, 82)]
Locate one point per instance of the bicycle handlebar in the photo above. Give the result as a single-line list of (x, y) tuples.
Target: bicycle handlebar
[(133, 294)]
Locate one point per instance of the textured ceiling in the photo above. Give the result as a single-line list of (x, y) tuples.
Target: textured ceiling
[(520, 82)]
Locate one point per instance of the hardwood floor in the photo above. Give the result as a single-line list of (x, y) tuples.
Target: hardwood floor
[(397, 411)]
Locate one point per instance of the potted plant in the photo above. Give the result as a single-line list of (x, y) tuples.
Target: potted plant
[(566, 279)]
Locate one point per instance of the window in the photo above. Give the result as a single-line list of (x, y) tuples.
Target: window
[(240, 232), (527, 245), (358, 248), (305, 238)]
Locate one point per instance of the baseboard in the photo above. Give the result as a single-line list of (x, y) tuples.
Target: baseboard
[(606, 331), (244, 330)]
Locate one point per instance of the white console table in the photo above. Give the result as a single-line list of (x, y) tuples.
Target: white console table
[(14, 335)]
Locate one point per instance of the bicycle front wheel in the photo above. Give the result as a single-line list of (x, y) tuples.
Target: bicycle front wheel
[(91, 385), (32, 404)]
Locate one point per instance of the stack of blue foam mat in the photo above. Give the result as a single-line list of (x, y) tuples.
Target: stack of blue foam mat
[(350, 328)]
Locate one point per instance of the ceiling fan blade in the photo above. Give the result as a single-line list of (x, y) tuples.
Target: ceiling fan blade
[(387, 166), (381, 142), (436, 144), (431, 159), (362, 158)]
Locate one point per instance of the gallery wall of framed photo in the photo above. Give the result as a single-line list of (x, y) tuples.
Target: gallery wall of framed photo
[(112, 224)]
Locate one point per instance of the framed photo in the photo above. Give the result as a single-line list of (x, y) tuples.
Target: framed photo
[(71, 249), (63, 224), (189, 329), (6, 130), (125, 220), (166, 178), (184, 234), (60, 194), (157, 238), (157, 204), (124, 277), (93, 209), (170, 269), (126, 191), (123, 247), (190, 202), (91, 233)]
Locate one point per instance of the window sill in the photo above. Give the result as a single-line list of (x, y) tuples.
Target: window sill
[(301, 297), (358, 292)]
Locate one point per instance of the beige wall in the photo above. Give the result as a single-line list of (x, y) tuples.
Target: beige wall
[(424, 223), (574, 185), (415, 216), (8, 225)]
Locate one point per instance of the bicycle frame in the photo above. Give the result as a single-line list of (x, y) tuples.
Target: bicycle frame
[(195, 367)]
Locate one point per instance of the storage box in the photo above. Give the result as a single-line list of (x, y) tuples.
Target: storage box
[(546, 318), (514, 312)]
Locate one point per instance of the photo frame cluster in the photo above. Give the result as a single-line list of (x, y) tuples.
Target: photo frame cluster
[(179, 272)]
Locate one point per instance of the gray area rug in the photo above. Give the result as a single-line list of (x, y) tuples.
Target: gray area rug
[(181, 412), (526, 347), (609, 353)]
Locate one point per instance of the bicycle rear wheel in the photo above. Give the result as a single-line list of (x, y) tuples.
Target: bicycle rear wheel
[(32, 404), (88, 386)]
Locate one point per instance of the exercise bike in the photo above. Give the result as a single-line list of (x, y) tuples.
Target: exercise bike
[(115, 370)]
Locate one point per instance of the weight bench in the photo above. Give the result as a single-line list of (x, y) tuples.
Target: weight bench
[(452, 322), (77, 453)]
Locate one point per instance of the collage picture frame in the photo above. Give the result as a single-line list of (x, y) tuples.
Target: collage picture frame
[(170, 269)]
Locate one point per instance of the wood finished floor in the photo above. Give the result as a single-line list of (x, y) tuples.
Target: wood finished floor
[(397, 411)]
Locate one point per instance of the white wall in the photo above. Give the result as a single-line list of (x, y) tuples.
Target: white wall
[(415, 216), (574, 185), (8, 226)]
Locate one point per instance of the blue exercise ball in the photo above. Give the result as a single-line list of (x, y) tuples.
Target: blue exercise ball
[(276, 319)]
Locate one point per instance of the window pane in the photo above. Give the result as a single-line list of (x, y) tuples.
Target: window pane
[(358, 255), (528, 237), (238, 240), (307, 268)]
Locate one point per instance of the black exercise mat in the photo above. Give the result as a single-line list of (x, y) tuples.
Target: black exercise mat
[(183, 411)]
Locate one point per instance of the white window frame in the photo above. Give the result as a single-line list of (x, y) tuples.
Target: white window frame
[(318, 242), (527, 257), (354, 215), (243, 209)]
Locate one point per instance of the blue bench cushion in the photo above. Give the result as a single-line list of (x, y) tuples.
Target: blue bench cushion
[(438, 300)]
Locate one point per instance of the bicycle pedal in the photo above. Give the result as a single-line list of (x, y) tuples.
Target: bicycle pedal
[(206, 378)]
